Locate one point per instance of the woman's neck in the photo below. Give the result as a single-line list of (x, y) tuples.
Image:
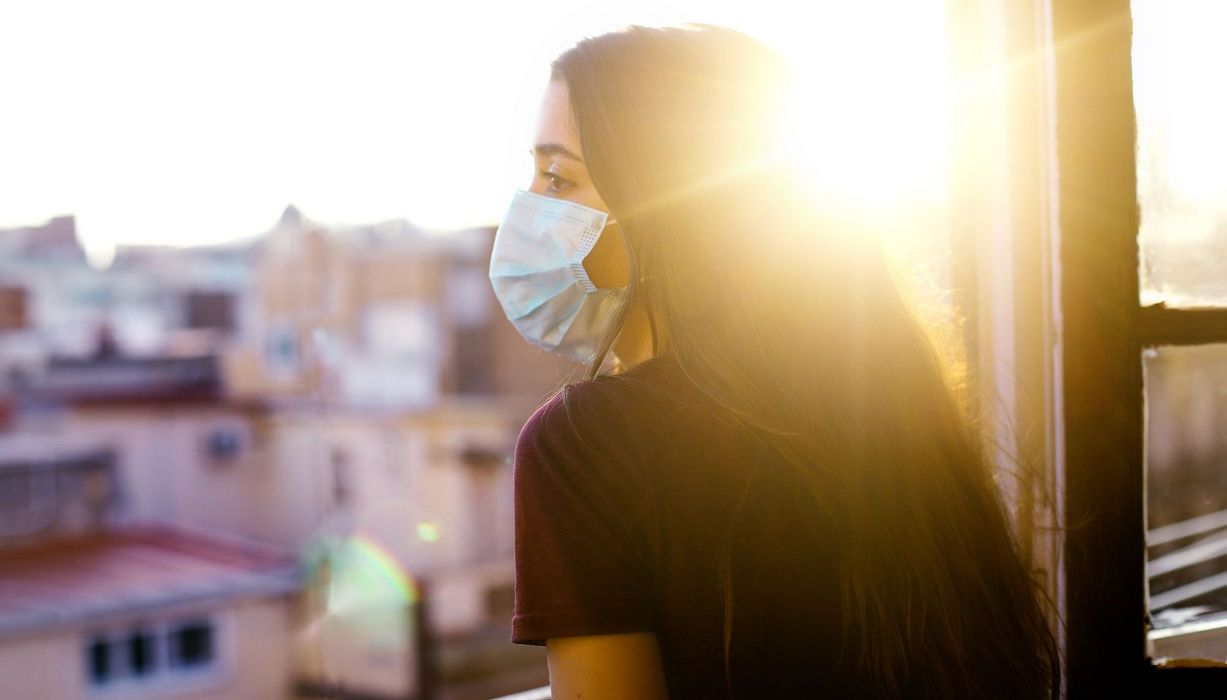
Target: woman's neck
[(634, 342)]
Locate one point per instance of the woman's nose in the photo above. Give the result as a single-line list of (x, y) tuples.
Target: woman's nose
[(538, 187)]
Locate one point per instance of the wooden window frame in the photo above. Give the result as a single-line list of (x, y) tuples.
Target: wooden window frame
[(1044, 196), (1105, 331)]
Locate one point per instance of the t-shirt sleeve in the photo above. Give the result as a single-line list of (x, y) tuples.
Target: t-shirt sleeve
[(581, 563)]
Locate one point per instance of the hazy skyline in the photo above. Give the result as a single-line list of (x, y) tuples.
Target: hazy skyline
[(160, 122)]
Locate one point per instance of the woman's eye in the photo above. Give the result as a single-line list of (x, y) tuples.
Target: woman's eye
[(557, 183)]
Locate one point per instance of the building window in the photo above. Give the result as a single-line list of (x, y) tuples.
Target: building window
[(206, 309), (29, 499), (191, 645), (99, 661), (45, 495), (14, 303), (473, 360), (130, 654), (148, 653), (141, 653)]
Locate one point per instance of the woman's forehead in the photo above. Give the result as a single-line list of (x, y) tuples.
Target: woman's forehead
[(555, 124)]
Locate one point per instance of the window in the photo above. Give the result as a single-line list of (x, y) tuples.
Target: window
[(129, 654), (472, 360), (16, 488), (1186, 499), (191, 645), (206, 309), (1142, 347), (14, 308), (40, 496), (1178, 53), (1080, 153), (152, 653), (100, 660), (1182, 192)]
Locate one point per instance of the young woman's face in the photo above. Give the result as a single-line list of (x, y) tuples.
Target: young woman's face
[(559, 172)]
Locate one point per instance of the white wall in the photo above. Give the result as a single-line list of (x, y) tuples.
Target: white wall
[(254, 638)]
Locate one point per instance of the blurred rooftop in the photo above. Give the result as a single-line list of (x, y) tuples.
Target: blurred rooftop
[(74, 579)]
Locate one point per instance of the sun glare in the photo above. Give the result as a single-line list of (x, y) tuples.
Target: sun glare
[(382, 110), (870, 111)]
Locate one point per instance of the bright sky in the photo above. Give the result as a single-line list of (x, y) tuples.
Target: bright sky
[(1179, 60), (198, 122)]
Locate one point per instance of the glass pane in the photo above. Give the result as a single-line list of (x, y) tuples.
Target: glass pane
[(1179, 58), (140, 653), (99, 661), (1186, 500), (194, 644)]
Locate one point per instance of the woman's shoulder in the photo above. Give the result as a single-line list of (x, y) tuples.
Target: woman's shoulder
[(605, 414), (617, 393)]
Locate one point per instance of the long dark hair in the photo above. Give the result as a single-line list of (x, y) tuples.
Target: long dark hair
[(785, 317)]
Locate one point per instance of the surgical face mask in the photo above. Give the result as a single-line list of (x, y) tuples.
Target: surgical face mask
[(538, 274)]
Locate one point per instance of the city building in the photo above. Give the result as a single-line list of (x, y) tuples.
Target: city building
[(346, 396)]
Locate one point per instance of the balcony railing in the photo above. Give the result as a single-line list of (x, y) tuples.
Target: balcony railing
[(120, 379), (37, 494), (1210, 532), (534, 694)]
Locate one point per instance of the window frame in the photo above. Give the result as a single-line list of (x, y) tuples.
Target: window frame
[(1105, 331), (1044, 228), (165, 676)]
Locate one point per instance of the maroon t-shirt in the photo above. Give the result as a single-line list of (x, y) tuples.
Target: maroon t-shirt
[(624, 495)]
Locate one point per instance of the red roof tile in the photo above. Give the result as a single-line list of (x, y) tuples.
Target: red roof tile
[(130, 568)]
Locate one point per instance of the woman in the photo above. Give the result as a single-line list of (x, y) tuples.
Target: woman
[(774, 493)]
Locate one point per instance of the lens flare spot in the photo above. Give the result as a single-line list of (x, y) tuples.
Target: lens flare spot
[(428, 532), (358, 571)]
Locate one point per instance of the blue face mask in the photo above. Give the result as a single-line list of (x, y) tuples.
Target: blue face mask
[(538, 275)]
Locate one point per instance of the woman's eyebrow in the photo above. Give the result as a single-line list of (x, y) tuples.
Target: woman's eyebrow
[(551, 149)]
